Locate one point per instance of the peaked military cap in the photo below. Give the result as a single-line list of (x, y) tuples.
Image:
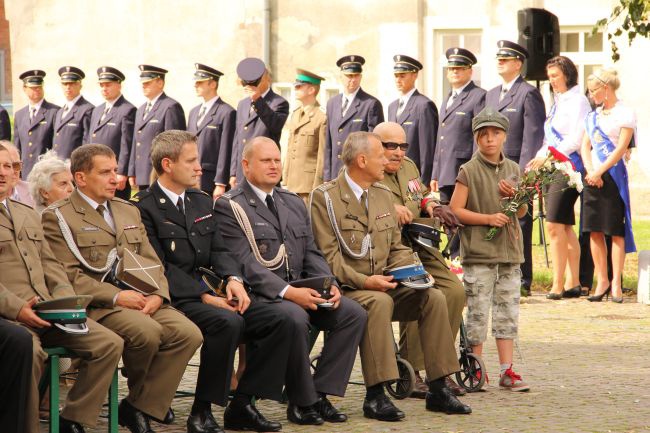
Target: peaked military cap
[(305, 77), (457, 56), (490, 117), (205, 73), (108, 73), (149, 72), (67, 313), (511, 50), (405, 64), (351, 64), (71, 74), (33, 78), (250, 71)]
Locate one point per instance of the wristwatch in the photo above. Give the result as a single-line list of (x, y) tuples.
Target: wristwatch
[(233, 277)]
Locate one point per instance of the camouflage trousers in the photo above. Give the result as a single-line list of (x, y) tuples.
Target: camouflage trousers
[(496, 285)]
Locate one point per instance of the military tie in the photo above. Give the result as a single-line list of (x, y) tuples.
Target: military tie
[(65, 111), (179, 205), (364, 201), (147, 109), (452, 98), (32, 113), (201, 115), (400, 107), (105, 113), (271, 205), (101, 210), (4, 210), (504, 90), (344, 107)]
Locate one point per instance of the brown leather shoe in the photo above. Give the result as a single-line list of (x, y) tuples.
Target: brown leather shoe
[(456, 389), (421, 388)]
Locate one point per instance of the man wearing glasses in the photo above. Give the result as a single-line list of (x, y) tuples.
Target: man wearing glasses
[(417, 114), (524, 107), (20, 190)]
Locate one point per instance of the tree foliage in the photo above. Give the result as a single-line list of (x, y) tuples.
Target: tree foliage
[(628, 17)]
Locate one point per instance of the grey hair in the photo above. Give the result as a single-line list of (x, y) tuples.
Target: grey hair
[(10, 147), (248, 147), (356, 143), (40, 178)]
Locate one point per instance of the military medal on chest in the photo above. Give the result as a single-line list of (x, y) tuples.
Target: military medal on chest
[(415, 191)]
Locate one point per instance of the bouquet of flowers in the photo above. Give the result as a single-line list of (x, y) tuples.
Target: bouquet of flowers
[(530, 184)]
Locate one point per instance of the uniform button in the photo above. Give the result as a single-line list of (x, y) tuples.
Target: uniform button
[(20, 237), (244, 140), (172, 233), (137, 144), (94, 241), (25, 253), (193, 233), (442, 137), (140, 132), (245, 128), (137, 157), (30, 268), (443, 123), (29, 133), (338, 156), (94, 135), (338, 142), (31, 155), (119, 243), (340, 129), (57, 134), (30, 143), (198, 251)]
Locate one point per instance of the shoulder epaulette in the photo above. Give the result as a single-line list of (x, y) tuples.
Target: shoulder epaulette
[(326, 186), (119, 200), (140, 195), (196, 191), (232, 193), (58, 204), (381, 185), (285, 191), (21, 203)]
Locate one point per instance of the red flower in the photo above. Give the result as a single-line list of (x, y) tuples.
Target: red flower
[(557, 154)]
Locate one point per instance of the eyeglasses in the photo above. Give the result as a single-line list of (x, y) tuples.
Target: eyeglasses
[(390, 145), (17, 166), (592, 91)]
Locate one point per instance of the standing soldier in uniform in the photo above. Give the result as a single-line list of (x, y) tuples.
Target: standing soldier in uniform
[(303, 167), (262, 113), (524, 107), (353, 110), (158, 114), (88, 232), (213, 122), (455, 140), (417, 114), (32, 272), (112, 124), (34, 124), (354, 224), (72, 122)]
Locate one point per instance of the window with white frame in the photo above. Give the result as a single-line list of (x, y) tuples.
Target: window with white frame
[(587, 51), (469, 39)]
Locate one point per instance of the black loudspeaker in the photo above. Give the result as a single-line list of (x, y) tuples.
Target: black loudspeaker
[(539, 33)]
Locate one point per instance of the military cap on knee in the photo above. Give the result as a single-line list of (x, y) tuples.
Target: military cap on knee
[(460, 57), (511, 50), (149, 72), (33, 78), (68, 313), (305, 77), (205, 73), (71, 74), (351, 64), (405, 64), (109, 74), (250, 71)]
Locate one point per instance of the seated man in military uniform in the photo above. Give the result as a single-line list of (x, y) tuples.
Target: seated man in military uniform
[(30, 272), (402, 177), (88, 232), (354, 224), (267, 228)]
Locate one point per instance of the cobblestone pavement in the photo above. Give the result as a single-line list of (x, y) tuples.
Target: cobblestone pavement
[(586, 363)]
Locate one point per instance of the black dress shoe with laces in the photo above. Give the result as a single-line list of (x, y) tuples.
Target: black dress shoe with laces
[(67, 426), (382, 409), (203, 422), (133, 419), (238, 417), (303, 415), (444, 400), (328, 412)]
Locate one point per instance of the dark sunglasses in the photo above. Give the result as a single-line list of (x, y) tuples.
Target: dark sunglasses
[(392, 146)]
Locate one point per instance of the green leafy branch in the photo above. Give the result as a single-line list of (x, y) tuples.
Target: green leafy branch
[(630, 17)]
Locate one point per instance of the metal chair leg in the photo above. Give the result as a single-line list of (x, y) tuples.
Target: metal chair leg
[(54, 394)]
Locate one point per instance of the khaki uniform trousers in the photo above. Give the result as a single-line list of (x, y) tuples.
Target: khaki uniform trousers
[(99, 352), (451, 287), (377, 348), (157, 349)]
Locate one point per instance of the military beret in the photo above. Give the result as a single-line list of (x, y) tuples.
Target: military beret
[(71, 74), (205, 73), (149, 72), (511, 50), (490, 117), (67, 313), (405, 64), (33, 78), (460, 57), (250, 71), (108, 73), (351, 64), (305, 77)]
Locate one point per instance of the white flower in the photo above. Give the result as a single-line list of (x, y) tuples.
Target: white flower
[(575, 180)]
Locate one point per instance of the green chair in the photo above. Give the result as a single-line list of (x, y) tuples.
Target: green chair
[(51, 378)]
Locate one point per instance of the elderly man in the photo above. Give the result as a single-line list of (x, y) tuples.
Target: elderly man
[(267, 229), (87, 232), (409, 197), (354, 223), (20, 188), (31, 272)]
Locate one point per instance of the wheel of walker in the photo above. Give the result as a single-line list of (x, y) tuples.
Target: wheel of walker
[(402, 387), (472, 372), (313, 362)]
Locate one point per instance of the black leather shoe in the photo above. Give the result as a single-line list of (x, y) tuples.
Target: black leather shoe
[(382, 409), (67, 426), (170, 416), (303, 415), (444, 400), (133, 419), (328, 412), (203, 422), (237, 417)]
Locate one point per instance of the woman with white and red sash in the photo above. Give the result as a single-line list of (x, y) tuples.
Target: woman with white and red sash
[(607, 195)]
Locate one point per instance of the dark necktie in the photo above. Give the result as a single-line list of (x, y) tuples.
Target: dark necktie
[(5, 211), (179, 205), (32, 113), (452, 98), (201, 115), (105, 113), (147, 110), (271, 205), (344, 108), (364, 201), (503, 93), (65, 111), (100, 209), (400, 107)]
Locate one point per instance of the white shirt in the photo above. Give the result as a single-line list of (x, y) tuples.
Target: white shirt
[(108, 217), (154, 100), (405, 98), (349, 97), (571, 109), (356, 189), (36, 107), (208, 104), (70, 104), (172, 195), (111, 103), (507, 86), (618, 117)]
